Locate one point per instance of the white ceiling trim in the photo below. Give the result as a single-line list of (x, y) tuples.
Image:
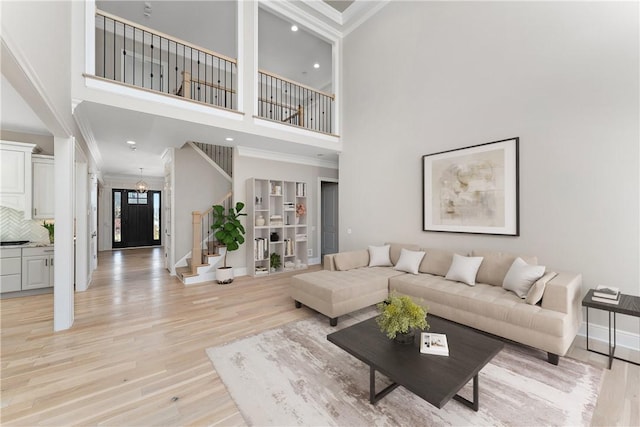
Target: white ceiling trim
[(326, 10), (290, 11), (87, 134), (282, 157), (359, 12)]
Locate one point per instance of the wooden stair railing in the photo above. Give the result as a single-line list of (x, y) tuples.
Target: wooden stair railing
[(200, 236), (185, 90)]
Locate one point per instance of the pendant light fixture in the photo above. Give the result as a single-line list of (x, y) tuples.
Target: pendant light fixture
[(141, 186)]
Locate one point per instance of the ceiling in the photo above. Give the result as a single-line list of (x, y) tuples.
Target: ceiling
[(110, 127)]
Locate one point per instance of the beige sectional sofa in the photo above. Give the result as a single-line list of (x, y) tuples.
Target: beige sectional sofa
[(551, 323)]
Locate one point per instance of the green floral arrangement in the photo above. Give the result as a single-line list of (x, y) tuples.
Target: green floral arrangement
[(50, 228), (400, 315)]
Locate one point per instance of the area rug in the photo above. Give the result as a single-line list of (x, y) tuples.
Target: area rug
[(292, 375)]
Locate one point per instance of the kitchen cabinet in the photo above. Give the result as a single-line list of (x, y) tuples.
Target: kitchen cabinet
[(43, 188), (10, 268), (37, 268), (15, 176)]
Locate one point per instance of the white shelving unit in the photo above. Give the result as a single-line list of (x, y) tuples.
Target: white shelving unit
[(275, 225)]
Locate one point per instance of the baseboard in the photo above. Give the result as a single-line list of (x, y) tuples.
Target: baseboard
[(601, 333), (315, 261)]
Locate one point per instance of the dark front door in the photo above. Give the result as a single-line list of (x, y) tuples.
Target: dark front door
[(136, 218)]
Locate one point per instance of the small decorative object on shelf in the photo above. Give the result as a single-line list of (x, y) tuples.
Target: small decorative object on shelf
[(300, 209), (274, 261), (260, 221), (274, 237), (609, 292), (431, 343), (400, 317)]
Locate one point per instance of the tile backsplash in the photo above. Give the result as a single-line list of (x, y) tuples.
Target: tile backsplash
[(13, 227)]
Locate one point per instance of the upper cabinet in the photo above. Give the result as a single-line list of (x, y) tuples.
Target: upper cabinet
[(43, 188), (15, 176)]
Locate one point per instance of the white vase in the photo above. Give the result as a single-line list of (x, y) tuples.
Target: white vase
[(260, 221)]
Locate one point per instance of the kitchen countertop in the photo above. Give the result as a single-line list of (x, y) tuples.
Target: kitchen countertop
[(28, 245)]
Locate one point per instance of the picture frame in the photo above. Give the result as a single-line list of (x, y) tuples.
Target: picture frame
[(473, 189)]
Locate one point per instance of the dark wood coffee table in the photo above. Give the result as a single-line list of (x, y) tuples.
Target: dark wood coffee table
[(436, 379)]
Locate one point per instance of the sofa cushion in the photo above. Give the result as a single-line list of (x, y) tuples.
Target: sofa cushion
[(534, 295), (350, 260), (379, 256), (396, 248), (485, 301), (464, 269), (409, 261), (496, 264), (436, 261), (521, 276)]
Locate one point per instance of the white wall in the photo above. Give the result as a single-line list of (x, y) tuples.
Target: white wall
[(251, 167), (198, 185), (424, 77)]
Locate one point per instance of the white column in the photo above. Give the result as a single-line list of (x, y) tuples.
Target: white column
[(248, 58), (82, 235), (64, 149)]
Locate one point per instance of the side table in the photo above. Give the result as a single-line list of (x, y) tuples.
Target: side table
[(629, 305)]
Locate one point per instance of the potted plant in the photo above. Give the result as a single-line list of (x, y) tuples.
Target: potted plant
[(274, 261), (400, 317), (229, 231), (50, 226)]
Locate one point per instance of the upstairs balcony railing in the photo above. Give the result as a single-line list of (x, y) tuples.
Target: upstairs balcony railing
[(135, 55), (286, 101), (130, 53)]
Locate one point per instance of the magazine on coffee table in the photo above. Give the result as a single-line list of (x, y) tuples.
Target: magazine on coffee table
[(431, 343)]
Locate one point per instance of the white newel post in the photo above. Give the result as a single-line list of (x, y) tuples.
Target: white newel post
[(64, 167)]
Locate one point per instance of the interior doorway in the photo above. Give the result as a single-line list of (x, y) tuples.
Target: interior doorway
[(329, 209), (136, 218)]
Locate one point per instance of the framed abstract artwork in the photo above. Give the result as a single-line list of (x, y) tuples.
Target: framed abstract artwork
[(472, 189)]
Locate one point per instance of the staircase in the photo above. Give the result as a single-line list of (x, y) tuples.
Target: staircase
[(206, 256), (205, 272), (221, 155)]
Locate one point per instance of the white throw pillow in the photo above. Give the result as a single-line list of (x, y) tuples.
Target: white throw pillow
[(464, 269), (409, 261), (379, 256), (521, 276)]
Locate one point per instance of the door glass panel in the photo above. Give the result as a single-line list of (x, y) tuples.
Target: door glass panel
[(156, 216), (117, 217), (142, 199), (132, 198)]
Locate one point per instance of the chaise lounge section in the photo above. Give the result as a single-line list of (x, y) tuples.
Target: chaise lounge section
[(547, 318)]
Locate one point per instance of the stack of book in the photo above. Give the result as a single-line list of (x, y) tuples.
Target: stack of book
[(431, 343), (606, 294)]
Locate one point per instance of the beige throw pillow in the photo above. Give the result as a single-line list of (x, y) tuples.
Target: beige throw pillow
[(521, 276), (395, 248), (436, 261), (350, 260), (537, 290), (496, 264)]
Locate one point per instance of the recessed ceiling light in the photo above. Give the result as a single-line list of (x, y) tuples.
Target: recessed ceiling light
[(316, 65), (228, 139), (294, 28), (131, 142)]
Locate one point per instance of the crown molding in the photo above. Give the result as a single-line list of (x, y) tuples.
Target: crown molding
[(257, 153), (323, 8), (87, 134), (293, 12), (359, 12)]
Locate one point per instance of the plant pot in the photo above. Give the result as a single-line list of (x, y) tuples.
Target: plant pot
[(405, 338), (224, 275)]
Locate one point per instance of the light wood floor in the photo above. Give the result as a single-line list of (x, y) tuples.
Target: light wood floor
[(136, 352)]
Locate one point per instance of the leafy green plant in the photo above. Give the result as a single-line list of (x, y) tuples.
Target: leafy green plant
[(227, 227), (399, 314), (50, 228), (274, 260)]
